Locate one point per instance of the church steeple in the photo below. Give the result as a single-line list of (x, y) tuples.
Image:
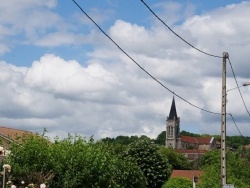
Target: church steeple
[(173, 128), (173, 113)]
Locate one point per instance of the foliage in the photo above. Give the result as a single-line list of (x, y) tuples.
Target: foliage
[(244, 153), (232, 141), (155, 167), (71, 162), (161, 138), (236, 141), (238, 172), (186, 133), (124, 140), (177, 160), (28, 159), (180, 182)]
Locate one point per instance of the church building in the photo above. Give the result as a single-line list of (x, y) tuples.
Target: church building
[(188, 145), (173, 128)]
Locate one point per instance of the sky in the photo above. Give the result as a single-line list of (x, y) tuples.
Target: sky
[(59, 72)]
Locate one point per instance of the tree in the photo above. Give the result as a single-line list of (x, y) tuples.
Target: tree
[(161, 138), (236, 141), (177, 160), (28, 159), (189, 134), (238, 172), (155, 167), (125, 140), (180, 182), (71, 162)]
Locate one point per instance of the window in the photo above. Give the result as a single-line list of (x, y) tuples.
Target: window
[(170, 132)]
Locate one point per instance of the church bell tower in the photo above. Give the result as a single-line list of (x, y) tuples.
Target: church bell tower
[(172, 127)]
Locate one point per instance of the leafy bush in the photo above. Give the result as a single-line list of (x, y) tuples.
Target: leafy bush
[(176, 160), (238, 171), (178, 183), (71, 162), (155, 167)]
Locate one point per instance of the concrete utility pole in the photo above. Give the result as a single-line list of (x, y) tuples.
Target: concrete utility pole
[(223, 123)]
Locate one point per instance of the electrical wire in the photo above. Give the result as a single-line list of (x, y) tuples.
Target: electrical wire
[(203, 53), (140, 65), (238, 86), (235, 124), (188, 43)]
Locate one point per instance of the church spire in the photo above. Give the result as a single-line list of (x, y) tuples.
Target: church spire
[(173, 113)]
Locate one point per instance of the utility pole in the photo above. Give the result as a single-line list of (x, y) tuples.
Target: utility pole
[(223, 123)]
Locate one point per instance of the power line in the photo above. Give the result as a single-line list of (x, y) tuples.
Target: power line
[(140, 65), (177, 34), (203, 53), (235, 124), (238, 86)]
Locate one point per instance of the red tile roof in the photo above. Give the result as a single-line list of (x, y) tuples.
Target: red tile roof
[(196, 140), (186, 173), (188, 151), (11, 133)]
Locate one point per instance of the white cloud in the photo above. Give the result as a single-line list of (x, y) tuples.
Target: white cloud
[(107, 94), (55, 75)]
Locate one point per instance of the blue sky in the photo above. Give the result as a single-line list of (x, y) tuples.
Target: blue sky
[(111, 10), (59, 72)]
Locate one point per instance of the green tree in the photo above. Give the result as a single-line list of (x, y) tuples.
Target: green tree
[(155, 166), (161, 138), (125, 140), (180, 182), (238, 172), (28, 159), (236, 141), (177, 160), (71, 162), (186, 133)]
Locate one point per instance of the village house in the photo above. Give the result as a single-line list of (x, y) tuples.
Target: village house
[(190, 174)]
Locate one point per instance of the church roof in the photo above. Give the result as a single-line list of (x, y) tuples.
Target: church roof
[(173, 113), (197, 140)]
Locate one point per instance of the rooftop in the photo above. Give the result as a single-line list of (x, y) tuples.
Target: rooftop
[(190, 151), (196, 140), (186, 173), (11, 133)]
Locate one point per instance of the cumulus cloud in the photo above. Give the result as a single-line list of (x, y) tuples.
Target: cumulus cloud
[(107, 94), (55, 75)]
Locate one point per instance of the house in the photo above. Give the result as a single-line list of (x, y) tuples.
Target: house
[(191, 154), (7, 136), (190, 174), (191, 147)]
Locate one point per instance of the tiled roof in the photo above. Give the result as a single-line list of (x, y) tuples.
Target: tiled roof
[(11, 133), (186, 173), (190, 151), (196, 140)]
